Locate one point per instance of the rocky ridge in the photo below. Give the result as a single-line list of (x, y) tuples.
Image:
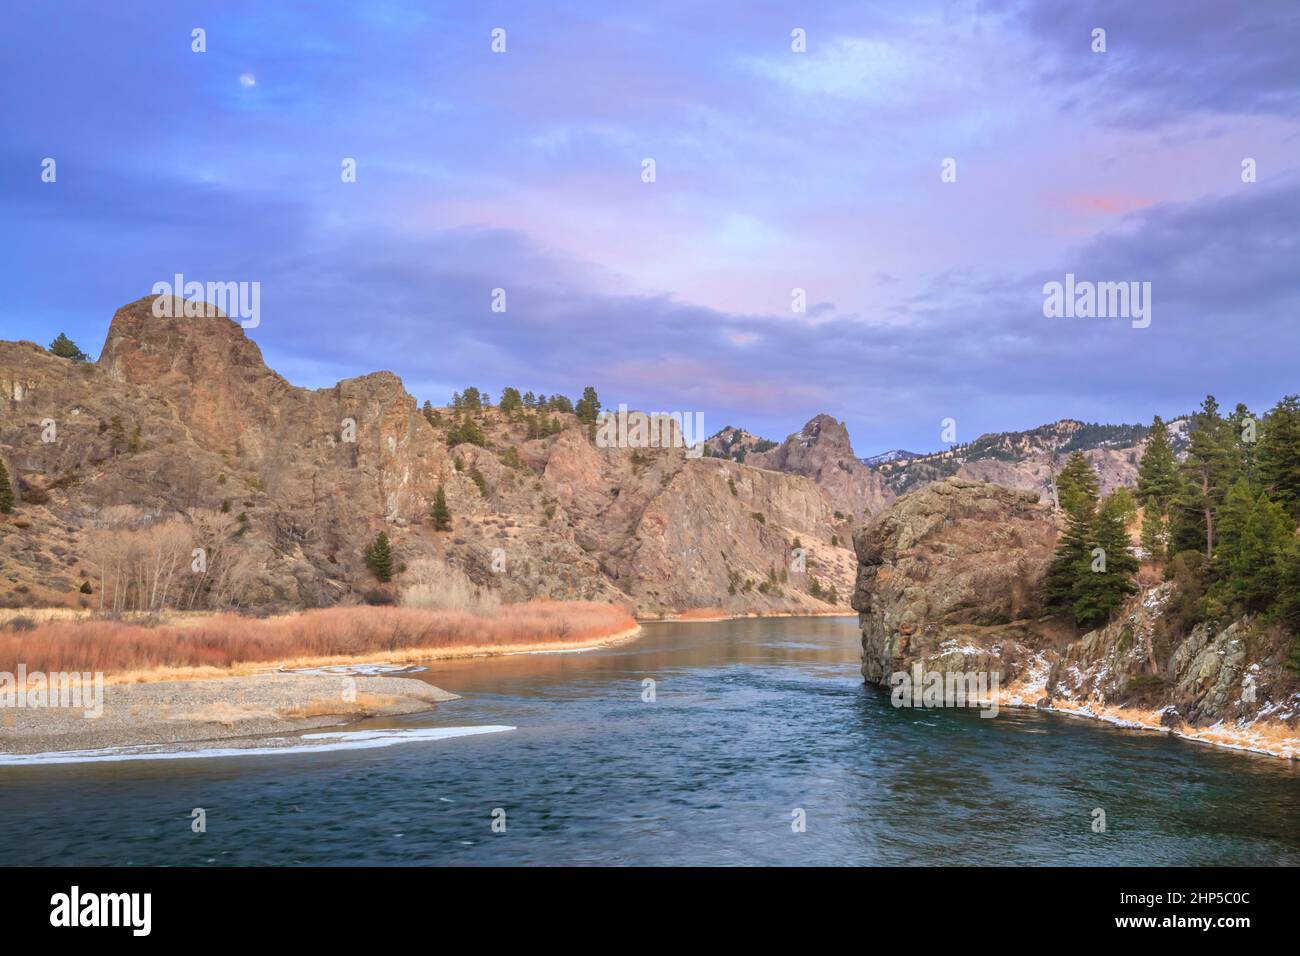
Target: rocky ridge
[(180, 420)]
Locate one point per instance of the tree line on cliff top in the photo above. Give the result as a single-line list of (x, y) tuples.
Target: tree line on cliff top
[(1221, 522)]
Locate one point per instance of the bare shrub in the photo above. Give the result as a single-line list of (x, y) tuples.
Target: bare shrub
[(437, 586), (143, 564), (227, 640)]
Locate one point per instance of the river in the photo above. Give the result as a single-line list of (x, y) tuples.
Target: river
[(755, 727)]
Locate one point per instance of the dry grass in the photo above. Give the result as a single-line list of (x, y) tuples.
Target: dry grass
[(226, 643), (364, 705), (703, 614)]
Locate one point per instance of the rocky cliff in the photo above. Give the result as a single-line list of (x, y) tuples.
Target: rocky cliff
[(821, 450), (180, 421), (952, 576)]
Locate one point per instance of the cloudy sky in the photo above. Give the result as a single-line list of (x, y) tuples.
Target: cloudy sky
[(775, 170)]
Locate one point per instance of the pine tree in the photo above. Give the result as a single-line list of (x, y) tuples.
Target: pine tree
[(379, 558), (6, 490), (466, 431), (1208, 466), (588, 408), (440, 513), (1077, 487), (1093, 566), (1279, 454), (64, 347), (1070, 561), (511, 401), (1155, 533), (1255, 535), (1243, 447), (1158, 478), (1111, 566)]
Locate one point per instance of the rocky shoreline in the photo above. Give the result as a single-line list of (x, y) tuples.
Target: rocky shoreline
[(236, 711), (255, 710), (951, 580)]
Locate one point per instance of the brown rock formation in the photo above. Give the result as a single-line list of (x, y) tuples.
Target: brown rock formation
[(952, 575), (821, 450), (181, 421)]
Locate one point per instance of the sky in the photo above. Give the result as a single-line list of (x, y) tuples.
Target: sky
[(774, 170)]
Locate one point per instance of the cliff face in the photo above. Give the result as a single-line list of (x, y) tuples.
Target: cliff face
[(821, 450), (952, 578), (180, 420)]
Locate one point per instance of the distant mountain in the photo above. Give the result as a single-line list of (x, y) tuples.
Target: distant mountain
[(885, 457), (1028, 459)]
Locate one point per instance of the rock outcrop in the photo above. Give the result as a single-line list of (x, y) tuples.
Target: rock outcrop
[(951, 576), (180, 420), (821, 450)]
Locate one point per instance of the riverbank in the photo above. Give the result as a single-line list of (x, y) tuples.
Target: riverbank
[(238, 711), (713, 615), (266, 685), (1264, 737), (188, 647), (247, 710)]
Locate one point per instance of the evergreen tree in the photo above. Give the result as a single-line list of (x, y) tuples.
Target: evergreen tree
[(1243, 433), (1209, 467), (1255, 536), (64, 347), (1155, 533), (1070, 561), (511, 401), (1158, 478), (6, 490), (379, 558), (466, 431), (1077, 487), (588, 407), (1279, 454), (440, 513), (1077, 491), (1110, 567), (1121, 500)]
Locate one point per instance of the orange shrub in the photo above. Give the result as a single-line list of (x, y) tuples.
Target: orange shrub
[(226, 640)]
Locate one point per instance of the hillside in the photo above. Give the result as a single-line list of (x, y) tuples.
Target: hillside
[(1028, 460), (180, 438)]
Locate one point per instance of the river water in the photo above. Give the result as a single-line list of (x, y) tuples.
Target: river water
[(755, 725)]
